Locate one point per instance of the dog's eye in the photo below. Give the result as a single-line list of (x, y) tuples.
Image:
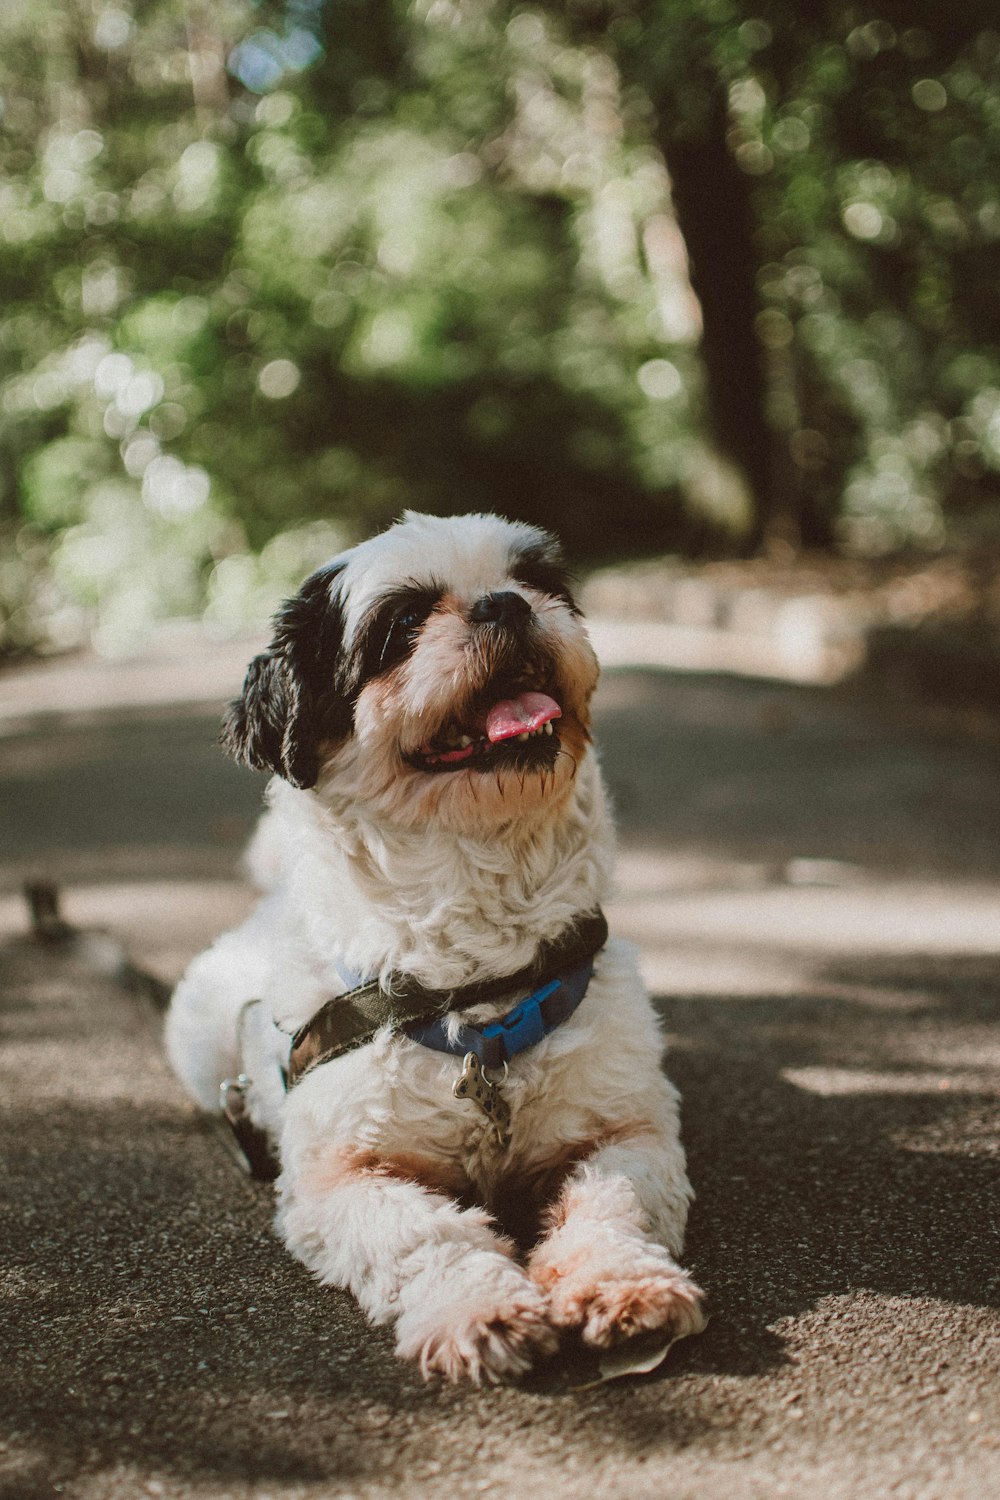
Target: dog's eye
[(402, 633), (405, 626)]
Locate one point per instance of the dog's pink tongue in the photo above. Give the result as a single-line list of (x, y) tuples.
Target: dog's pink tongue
[(520, 715)]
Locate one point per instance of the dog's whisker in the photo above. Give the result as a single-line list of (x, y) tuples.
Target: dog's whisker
[(572, 760)]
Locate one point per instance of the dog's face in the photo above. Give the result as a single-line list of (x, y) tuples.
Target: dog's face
[(436, 673)]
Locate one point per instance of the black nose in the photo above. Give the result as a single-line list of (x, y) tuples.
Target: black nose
[(500, 609)]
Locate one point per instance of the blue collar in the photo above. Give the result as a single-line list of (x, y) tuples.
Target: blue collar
[(532, 1018)]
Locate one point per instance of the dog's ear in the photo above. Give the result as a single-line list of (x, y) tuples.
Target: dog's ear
[(293, 701)]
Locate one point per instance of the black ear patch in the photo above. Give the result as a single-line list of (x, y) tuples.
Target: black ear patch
[(292, 701)]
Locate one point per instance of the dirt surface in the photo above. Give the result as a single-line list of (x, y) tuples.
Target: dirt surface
[(815, 885), (926, 626)]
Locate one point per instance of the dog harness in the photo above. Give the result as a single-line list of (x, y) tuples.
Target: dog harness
[(557, 980)]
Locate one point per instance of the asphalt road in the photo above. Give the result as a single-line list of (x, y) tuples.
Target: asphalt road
[(814, 880)]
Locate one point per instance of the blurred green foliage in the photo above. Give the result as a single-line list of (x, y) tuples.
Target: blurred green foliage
[(870, 136), (273, 272)]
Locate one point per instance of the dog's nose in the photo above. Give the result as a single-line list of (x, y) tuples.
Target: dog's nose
[(504, 608)]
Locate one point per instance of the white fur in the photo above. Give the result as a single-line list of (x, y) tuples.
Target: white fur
[(375, 1149)]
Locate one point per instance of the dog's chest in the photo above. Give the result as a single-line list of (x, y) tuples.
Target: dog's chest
[(394, 1104), (402, 1100)]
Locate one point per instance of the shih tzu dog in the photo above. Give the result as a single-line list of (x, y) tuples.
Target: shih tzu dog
[(424, 1016)]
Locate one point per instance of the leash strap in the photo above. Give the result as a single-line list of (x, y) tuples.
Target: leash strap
[(553, 979), (249, 1145)]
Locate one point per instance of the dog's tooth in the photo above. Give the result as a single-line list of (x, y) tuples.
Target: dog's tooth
[(523, 737), (548, 727), (465, 741)]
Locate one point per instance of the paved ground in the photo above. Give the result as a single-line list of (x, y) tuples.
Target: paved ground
[(814, 880)]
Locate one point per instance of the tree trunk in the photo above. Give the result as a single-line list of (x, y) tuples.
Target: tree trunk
[(714, 212)]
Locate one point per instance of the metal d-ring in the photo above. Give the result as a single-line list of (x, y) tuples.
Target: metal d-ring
[(237, 1086)]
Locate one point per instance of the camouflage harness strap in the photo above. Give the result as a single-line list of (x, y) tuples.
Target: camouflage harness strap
[(352, 1019)]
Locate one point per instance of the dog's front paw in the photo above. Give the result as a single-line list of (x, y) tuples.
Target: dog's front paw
[(481, 1320), (618, 1292)]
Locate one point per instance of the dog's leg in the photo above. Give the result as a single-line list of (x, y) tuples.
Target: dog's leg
[(201, 1024), (604, 1261), (463, 1308)]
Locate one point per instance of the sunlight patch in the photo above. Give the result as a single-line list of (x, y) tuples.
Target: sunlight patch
[(834, 1082)]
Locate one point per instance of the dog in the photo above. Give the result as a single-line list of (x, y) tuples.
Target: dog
[(436, 845)]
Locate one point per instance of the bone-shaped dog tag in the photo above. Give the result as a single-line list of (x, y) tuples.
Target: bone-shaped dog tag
[(473, 1084)]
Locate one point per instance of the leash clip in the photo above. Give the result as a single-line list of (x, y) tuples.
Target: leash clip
[(473, 1084), (252, 1148)]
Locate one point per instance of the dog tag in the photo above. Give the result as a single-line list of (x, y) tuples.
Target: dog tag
[(473, 1084)]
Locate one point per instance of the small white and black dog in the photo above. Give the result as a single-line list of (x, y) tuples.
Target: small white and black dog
[(423, 1013)]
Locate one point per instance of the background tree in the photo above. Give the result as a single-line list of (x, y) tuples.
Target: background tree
[(836, 172), (273, 272)]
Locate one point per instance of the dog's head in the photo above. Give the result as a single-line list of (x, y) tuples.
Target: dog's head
[(439, 671)]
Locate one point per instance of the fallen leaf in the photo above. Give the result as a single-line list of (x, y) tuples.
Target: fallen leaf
[(639, 1356)]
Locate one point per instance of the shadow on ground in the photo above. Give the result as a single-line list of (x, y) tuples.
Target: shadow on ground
[(835, 1150), (747, 770), (141, 795), (733, 767)]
